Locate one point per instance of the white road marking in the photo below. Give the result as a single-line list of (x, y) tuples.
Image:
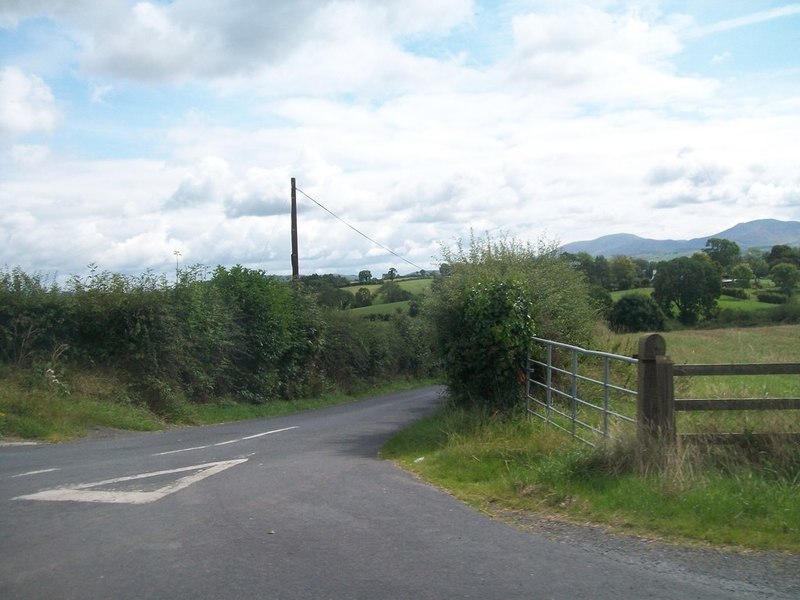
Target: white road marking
[(182, 450), (33, 473), (258, 435), (225, 443), (84, 493)]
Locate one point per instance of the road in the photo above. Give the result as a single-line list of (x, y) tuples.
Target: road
[(286, 508)]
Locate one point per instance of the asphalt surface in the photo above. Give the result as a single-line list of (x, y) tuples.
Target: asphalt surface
[(296, 507)]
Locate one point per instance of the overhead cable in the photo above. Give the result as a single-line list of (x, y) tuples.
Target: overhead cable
[(359, 232)]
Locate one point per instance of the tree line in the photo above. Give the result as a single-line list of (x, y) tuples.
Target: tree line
[(687, 288)]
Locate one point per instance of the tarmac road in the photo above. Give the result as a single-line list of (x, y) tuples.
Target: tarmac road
[(296, 507)]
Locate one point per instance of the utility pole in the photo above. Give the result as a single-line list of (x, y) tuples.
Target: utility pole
[(295, 259)]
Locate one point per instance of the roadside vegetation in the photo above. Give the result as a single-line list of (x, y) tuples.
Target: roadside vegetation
[(141, 353), (487, 451), (734, 496)]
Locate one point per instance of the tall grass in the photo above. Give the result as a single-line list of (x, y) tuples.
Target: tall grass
[(496, 461), (742, 495), (34, 405)]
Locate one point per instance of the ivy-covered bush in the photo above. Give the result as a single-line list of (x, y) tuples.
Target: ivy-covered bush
[(484, 314)]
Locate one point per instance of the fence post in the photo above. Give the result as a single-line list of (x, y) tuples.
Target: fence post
[(655, 399)]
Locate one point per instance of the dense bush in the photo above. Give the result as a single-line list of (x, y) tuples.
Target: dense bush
[(735, 292), (788, 312), (232, 332), (392, 292), (363, 298), (601, 300), (483, 315), (31, 317), (772, 297), (635, 312)]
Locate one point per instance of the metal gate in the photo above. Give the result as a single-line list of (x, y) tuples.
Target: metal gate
[(590, 395)]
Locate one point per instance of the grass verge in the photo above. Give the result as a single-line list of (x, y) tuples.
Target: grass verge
[(35, 407), (519, 464)]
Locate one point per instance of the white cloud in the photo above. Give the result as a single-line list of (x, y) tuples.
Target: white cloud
[(206, 182), (28, 156), (261, 193), (587, 126), (26, 103), (592, 56), (188, 39)]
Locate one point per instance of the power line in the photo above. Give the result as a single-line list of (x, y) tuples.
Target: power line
[(364, 235)]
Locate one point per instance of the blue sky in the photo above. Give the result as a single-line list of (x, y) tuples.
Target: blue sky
[(132, 130)]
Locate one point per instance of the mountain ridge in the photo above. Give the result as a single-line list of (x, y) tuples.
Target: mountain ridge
[(760, 233)]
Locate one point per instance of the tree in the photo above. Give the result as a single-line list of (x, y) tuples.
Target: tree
[(645, 271), (689, 284), (723, 252), (757, 259), (595, 269), (602, 272), (333, 297), (783, 254), (363, 297), (786, 276), (391, 274), (624, 273), (742, 274), (601, 299), (392, 292), (636, 312), (445, 269), (364, 276)]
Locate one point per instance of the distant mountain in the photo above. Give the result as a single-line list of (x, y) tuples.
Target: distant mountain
[(763, 233)]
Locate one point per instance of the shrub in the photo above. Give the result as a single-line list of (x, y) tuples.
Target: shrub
[(772, 297), (735, 292), (738, 317), (363, 298), (601, 300), (392, 292), (635, 312), (499, 295), (236, 333), (789, 312)]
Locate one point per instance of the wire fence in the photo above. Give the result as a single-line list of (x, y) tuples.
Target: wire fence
[(589, 394)]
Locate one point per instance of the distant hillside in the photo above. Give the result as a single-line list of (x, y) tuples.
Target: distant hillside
[(763, 233)]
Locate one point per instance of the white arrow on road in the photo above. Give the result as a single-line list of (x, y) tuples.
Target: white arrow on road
[(85, 492)]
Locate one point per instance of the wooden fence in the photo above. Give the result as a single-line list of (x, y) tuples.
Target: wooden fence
[(656, 402)]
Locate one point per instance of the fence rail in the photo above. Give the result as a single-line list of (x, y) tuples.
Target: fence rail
[(660, 405), (571, 388), (576, 394)]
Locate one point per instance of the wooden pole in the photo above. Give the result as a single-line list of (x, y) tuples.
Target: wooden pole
[(655, 398), (295, 259)]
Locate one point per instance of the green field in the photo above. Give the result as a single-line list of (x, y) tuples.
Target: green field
[(415, 286), (382, 309)]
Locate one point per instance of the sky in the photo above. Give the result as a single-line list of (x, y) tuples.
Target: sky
[(159, 134)]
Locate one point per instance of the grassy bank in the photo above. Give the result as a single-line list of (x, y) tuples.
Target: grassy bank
[(744, 497), (520, 465), (34, 406)]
